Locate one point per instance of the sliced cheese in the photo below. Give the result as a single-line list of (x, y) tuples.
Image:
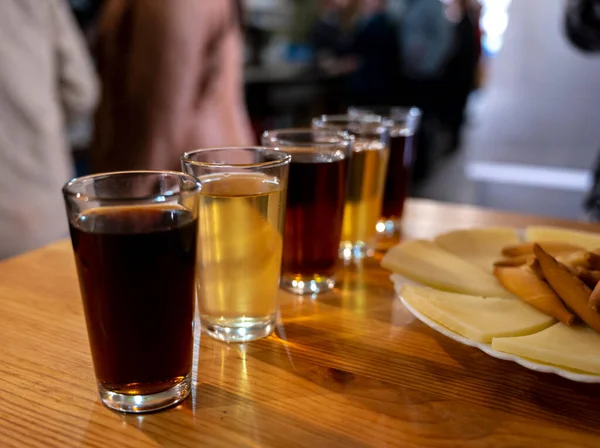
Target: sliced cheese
[(427, 263), (587, 240), (477, 318), (576, 347), (481, 247)]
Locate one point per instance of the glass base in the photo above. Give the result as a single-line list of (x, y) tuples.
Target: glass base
[(355, 251), (239, 329), (137, 404), (301, 285)]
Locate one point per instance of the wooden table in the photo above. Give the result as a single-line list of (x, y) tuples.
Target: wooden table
[(352, 368)]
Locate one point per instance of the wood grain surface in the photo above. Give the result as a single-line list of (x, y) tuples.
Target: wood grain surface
[(352, 368)]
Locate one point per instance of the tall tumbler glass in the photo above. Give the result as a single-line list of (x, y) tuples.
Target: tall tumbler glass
[(404, 123), (366, 177), (315, 205), (134, 236), (242, 206)]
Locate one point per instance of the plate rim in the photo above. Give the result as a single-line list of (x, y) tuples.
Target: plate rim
[(487, 348)]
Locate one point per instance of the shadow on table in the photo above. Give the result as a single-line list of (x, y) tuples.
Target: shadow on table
[(359, 289), (228, 406), (411, 387), (218, 418), (385, 386), (517, 390)]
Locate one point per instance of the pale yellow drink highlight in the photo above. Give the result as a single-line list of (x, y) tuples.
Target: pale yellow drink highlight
[(240, 244), (368, 165)]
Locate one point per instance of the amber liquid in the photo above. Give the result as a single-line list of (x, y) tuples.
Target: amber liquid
[(240, 220), (136, 269), (313, 222), (368, 165), (398, 178)]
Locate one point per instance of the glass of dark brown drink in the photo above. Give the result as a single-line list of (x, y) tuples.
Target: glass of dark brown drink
[(316, 196), (403, 125), (134, 236)]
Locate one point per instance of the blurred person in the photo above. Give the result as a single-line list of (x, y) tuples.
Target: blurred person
[(426, 37), (426, 40), (330, 38), (46, 78), (459, 77), (375, 49), (172, 82), (582, 27), (329, 41), (304, 16)]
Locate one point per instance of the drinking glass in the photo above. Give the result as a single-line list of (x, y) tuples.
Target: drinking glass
[(134, 236), (241, 216), (404, 123), (315, 205), (367, 168)]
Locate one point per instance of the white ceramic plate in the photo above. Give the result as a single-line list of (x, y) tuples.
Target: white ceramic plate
[(486, 348)]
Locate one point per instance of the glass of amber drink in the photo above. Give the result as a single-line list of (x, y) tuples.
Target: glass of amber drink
[(366, 178), (404, 123), (240, 235), (315, 205)]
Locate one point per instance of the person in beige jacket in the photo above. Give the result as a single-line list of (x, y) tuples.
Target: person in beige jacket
[(46, 77), (172, 82)]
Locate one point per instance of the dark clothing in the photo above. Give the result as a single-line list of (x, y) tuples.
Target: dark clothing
[(458, 79), (327, 36), (582, 24), (86, 12), (375, 45), (461, 66)]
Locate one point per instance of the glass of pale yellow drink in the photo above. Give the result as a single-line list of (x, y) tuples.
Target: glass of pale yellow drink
[(240, 238)]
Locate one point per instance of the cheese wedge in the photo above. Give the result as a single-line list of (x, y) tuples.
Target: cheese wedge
[(587, 240), (575, 348), (477, 318), (482, 247), (427, 263)]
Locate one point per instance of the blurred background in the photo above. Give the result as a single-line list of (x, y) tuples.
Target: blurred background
[(510, 106), (508, 92)]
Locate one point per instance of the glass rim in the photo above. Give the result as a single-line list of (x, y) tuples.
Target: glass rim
[(408, 111), (343, 121), (68, 192), (344, 138), (366, 118), (281, 157)]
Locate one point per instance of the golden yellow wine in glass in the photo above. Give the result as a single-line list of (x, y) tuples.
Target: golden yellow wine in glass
[(239, 252), (366, 179)]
